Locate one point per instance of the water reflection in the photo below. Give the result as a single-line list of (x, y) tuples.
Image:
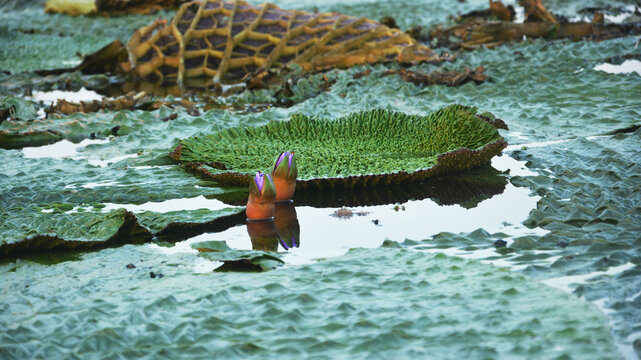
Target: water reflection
[(263, 235), (287, 225), (466, 189), (462, 203), (328, 236), (204, 87), (283, 230)]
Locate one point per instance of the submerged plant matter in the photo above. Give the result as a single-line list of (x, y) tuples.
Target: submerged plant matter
[(362, 149)]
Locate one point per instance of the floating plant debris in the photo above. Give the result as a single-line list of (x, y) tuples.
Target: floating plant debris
[(345, 213), (125, 102), (362, 149), (493, 27), (449, 78)]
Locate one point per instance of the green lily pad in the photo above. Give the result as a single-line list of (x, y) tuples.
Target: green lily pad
[(69, 231), (368, 303), (160, 223), (48, 204), (237, 260), (211, 246), (362, 149), (16, 108)]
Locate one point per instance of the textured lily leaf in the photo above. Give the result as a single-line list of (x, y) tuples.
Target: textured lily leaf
[(211, 246), (230, 39), (243, 260), (78, 126), (385, 302), (43, 231), (362, 149), (180, 221), (16, 108), (17, 140), (60, 204)]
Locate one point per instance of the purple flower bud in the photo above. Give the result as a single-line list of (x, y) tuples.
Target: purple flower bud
[(281, 157), (260, 181), (285, 170)]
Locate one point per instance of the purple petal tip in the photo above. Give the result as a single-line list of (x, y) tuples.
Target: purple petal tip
[(260, 181), (280, 158), (291, 157)]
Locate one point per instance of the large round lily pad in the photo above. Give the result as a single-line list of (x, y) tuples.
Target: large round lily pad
[(362, 149)]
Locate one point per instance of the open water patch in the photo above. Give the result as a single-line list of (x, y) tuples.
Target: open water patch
[(627, 67), (61, 149), (50, 97), (186, 204), (306, 233)]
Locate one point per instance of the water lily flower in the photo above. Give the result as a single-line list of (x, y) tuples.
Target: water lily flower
[(262, 194), (284, 173)]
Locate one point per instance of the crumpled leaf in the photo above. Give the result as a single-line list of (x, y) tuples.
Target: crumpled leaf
[(16, 108), (237, 260)]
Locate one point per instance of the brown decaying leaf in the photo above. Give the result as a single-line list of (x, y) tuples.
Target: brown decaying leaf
[(125, 102), (449, 78), (229, 40), (536, 12), (500, 11)]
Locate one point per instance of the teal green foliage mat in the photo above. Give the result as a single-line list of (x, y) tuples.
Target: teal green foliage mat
[(37, 41), (544, 90), (591, 205), (366, 148), (594, 215), (384, 302)]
